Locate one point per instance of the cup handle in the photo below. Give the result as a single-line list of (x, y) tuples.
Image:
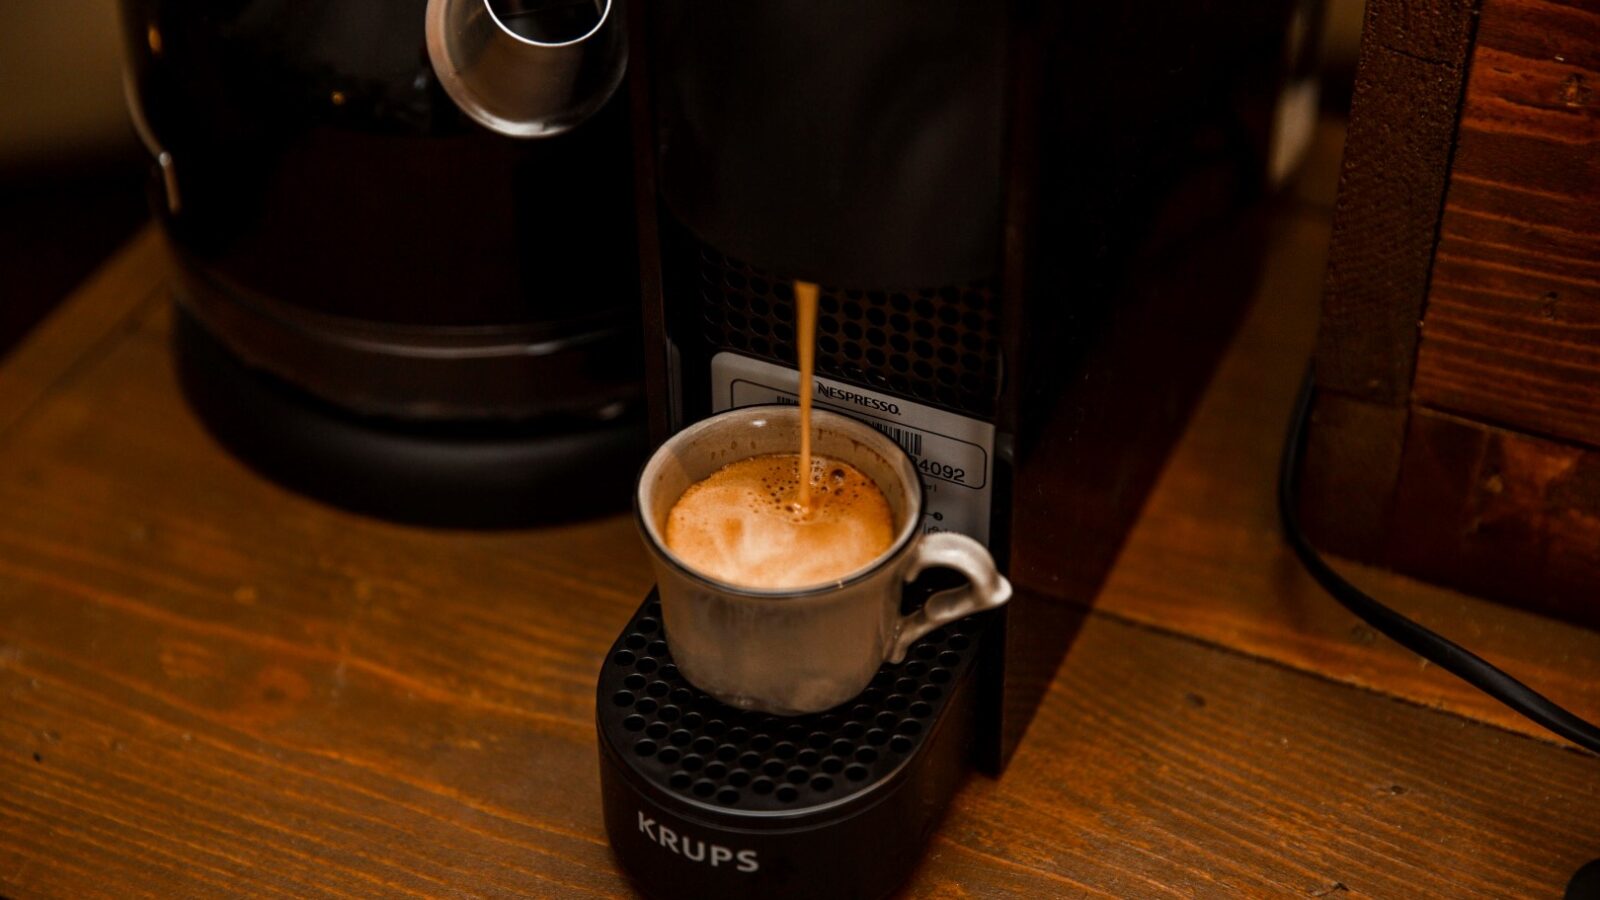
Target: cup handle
[(986, 588)]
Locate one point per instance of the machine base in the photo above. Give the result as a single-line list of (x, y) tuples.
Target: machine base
[(483, 475), (706, 801)]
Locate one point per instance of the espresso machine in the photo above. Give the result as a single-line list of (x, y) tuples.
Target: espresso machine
[(1034, 226)]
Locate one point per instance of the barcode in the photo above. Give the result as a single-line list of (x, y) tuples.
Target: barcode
[(910, 441)]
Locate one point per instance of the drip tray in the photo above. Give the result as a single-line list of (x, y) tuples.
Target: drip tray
[(704, 800)]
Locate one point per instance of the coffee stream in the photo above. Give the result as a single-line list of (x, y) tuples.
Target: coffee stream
[(805, 311), (784, 520)]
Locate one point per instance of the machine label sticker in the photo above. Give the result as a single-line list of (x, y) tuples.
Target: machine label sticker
[(954, 453)]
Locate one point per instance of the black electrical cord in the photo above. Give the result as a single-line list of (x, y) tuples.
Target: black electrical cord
[(1438, 650)]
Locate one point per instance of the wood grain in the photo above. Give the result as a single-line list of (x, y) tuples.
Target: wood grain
[(233, 689), (1512, 330), (1392, 186), (1350, 473), (209, 686), (1481, 507), (105, 303), (1482, 478), (1161, 767), (1212, 521)]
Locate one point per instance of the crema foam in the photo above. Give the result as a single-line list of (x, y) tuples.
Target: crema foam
[(744, 525)]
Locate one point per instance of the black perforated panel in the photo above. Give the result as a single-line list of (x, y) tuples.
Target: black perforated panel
[(939, 345), (687, 742)]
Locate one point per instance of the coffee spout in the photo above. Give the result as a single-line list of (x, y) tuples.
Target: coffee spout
[(528, 68)]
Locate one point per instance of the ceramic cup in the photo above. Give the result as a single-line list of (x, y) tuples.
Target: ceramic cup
[(799, 650)]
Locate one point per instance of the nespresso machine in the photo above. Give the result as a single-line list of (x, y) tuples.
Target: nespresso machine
[(1034, 225)]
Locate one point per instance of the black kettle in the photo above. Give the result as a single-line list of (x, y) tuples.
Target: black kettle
[(388, 295)]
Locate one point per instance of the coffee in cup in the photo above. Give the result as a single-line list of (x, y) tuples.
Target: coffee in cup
[(816, 642), (746, 524)]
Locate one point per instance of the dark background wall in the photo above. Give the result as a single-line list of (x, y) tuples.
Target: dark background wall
[(71, 171)]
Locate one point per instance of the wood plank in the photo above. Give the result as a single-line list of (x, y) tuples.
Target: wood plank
[(1207, 559), (1160, 767), (1349, 474), (231, 688), (1500, 513), (1402, 127), (213, 686), (1510, 333), (108, 301)]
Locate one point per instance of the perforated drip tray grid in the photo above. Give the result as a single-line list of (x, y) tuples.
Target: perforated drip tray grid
[(696, 747)]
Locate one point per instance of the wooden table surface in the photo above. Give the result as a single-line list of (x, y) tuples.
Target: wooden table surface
[(211, 686)]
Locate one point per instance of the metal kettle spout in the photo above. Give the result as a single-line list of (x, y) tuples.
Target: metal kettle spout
[(528, 68)]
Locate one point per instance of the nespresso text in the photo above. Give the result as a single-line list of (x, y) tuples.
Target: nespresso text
[(844, 396), (696, 850)]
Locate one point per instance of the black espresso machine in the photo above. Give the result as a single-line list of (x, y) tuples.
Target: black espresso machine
[(1034, 225)]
